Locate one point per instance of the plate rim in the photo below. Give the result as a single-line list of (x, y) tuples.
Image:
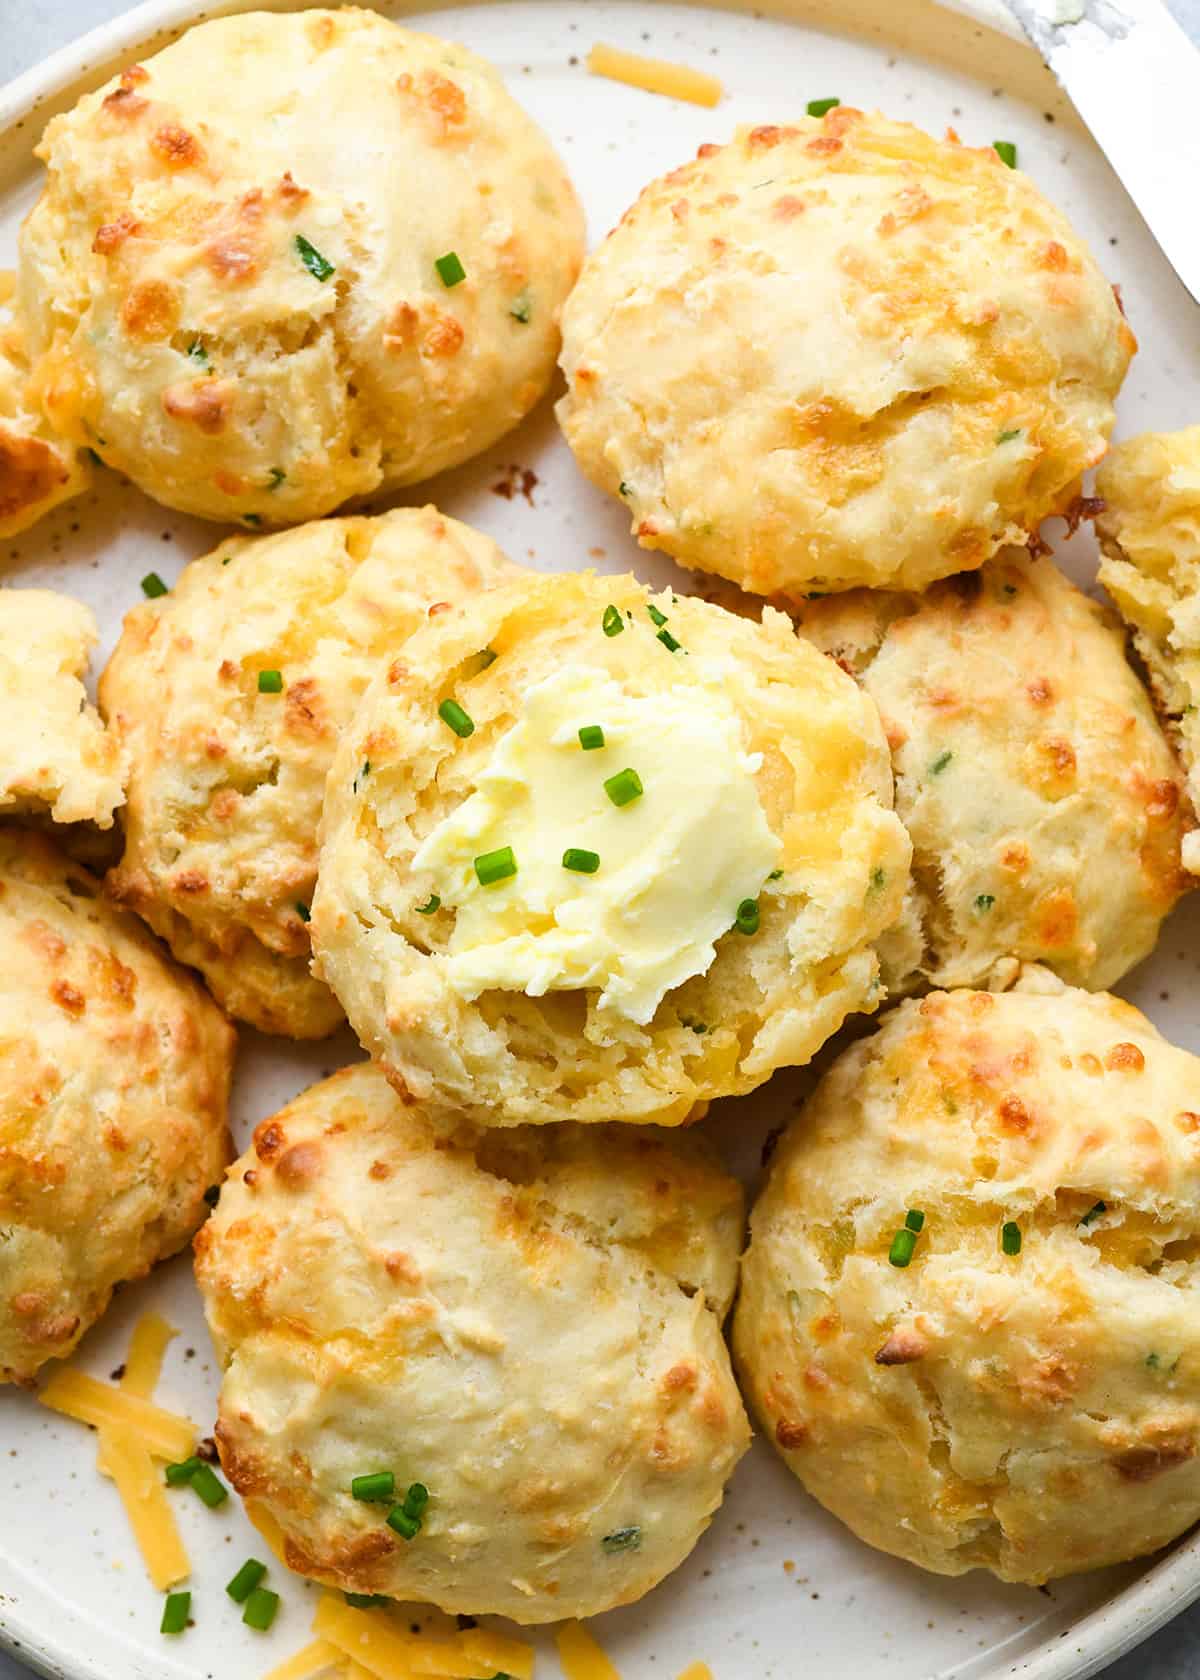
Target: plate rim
[(1167, 1587)]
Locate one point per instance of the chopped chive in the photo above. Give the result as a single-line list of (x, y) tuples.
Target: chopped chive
[(818, 107), (432, 903), (486, 657), (210, 1487), (277, 476), (903, 1243), (984, 902), (304, 913), (622, 1540), (317, 265), (245, 1581), (1010, 1237), (363, 1601), (1006, 151), (270, 682), (521, 309), (197, 352), (175, 1475), (624, 787), (583, 863), (668, 641), (746, 920), (658, 617), (612, 623), (624, 489), (404, 1525), (416, 1499), (1094, 1212), (453, 716), (450, 270), (379, 1484), (591, 736), (1008, 436), (153, 586), (261, 1609), (878, 878), (775, 875), (1152, 1361), (495, 866), (914, 1220), (175, 1614), (940, 762), (212, 1195), (254, 519)]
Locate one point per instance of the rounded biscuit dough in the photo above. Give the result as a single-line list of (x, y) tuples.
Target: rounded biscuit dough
[(765, 1002), (56, 757), (529, 1325), (38, 469), (1149, 530), (838, 353), (225, 782), (1045, 805), (1032, 1414), (229, 284), (114, 1076)]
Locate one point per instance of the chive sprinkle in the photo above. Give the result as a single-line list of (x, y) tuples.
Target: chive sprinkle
[(940, 762), (612, 623), (1010, 1237), (261, 1609), (408, 1527), (1094, 1212), (1006, 151), (520, 309), (495, 866), (432, 903), (153, 586), (379, 1484), (775, 875), (591, 736), (668, 641), (416, 1499), (254, 519), (175, 1614), (450, 270), (209, 1486), (277, 476), (818, 107), (1009, 435), (622, 1539), (746, 920), (176, 1475), (624, 787), (453, 716), (583, 863), (984, 902), (270, 682), (317, 265), (304, 913), (486, 657), (624, 489), (197, 352), (245, 1581), (903, 1243), (914, 1220), (658, 617)]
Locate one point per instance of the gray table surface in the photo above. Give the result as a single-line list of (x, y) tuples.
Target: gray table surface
[(29, 30)]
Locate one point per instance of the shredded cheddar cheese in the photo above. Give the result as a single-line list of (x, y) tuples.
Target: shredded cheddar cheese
[(373, 1642), (164, 1434), (266, 1525), (654, 75), (580, 1656), (139, 1482), (314, 1659), (143, 1367), (696, 1671)]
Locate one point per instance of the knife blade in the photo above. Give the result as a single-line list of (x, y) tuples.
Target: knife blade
[(1134, 77)]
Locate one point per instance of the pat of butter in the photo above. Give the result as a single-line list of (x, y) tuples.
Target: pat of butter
[(674, 864)]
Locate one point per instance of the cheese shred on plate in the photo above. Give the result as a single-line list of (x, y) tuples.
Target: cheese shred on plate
[(580, 1656), (133, 1433), (374, 1643), (654, 75)]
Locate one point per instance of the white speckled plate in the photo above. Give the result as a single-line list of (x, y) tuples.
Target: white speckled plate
[(775, 1576)]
